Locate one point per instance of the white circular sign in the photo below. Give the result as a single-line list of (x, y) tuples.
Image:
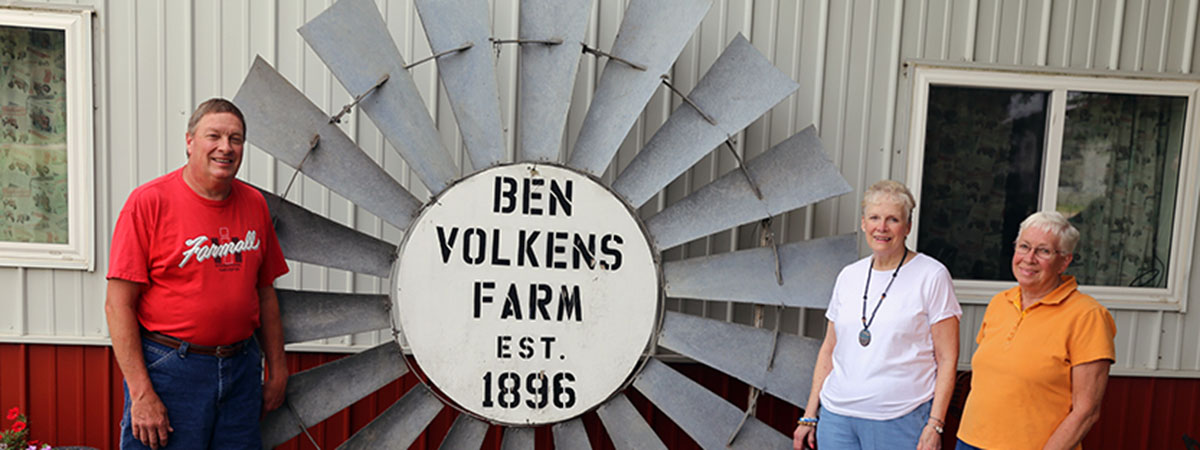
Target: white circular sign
[(528, 293)]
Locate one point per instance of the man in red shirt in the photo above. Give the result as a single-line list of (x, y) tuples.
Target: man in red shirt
[(190, 303)]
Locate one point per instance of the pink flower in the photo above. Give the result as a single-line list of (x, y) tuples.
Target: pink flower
[(18, 426), (13, 413)]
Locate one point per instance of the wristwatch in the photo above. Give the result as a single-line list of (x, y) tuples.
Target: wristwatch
[(937, 428)]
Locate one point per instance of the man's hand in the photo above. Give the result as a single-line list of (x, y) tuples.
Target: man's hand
[(273, 391), (148, 418)]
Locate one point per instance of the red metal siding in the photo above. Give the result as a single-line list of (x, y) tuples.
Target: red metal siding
[(73, 396)]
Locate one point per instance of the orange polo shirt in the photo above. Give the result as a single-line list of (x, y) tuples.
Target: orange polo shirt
[(1021, 373)]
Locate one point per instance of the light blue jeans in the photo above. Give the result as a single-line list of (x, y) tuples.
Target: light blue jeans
[(838, 432), (212, 403)]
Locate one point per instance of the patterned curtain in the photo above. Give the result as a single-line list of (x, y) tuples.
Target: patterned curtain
[(1120, 167), (33, 135)]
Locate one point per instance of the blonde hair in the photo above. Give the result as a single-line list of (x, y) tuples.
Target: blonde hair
[(889, 190), (1055, 223)]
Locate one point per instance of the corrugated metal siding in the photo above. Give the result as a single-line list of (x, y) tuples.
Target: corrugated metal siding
[(73, 396), (155, 60)]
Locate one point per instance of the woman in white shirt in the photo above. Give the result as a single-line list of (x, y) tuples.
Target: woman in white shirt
[(886, 370)]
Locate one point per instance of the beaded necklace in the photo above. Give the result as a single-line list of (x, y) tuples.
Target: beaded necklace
[(864, 336)]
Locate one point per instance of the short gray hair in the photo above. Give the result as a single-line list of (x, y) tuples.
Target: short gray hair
[(890, 190), (1055, 223)]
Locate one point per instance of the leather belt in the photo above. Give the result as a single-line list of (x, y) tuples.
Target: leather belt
[(220, 351)]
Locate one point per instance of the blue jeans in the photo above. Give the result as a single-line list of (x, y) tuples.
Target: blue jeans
[(965, 446), (212, 403), (838, 432)]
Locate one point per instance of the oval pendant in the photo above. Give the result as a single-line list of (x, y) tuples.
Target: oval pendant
[(864, 337)]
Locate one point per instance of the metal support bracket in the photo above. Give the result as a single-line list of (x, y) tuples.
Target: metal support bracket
[(666, 80), (499, 42), (749, 179), (312, 145), (765, 237), (597, 52), (496, 43), (439, 55), (346, 109), (300, 423), (749, 410)]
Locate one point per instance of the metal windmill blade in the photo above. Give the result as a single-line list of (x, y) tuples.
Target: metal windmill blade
[(311, 315), (587, 230), (781, 366), (307, 237), (707, 418), (353, 40), (792, 174), (548, 73), (748, 276), (651, 36), (289, 127), (467, 74), (739, 87), (315, 394)]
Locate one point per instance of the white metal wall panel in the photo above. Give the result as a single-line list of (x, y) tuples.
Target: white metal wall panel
[(156, 60)]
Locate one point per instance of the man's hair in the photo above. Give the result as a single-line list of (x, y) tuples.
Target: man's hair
[(890, 191), (212, 106), (1055, 223)]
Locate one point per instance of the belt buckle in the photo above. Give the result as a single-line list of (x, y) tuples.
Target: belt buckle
[(224, 351)]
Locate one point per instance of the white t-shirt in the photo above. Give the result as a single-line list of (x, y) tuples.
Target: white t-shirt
[(896, 372)]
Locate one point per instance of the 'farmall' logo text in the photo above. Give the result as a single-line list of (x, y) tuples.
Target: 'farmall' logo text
[(226, 249)]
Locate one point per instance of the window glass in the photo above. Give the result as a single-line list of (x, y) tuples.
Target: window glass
[(1117, 184), (982, 175), (33, 135)]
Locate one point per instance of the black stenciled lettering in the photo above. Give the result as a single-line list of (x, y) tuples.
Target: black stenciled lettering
[(512, 306), (562, 388), (504, 190), (585, 251), (537, 384), (560, 198), (497, 260), (468, 244), (548, 340), (502, 347), (612, 250), (526, 344), (480, 299), (539, 297), (525, 241), (569, 304), (553, 249), (487, 390), (531, 196), (446, 242), (510, 390)]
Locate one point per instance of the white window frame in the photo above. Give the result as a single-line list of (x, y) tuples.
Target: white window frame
[(79, 251), (1170, 298)]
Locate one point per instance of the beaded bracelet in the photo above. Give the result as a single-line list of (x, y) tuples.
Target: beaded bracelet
[(807, 421)]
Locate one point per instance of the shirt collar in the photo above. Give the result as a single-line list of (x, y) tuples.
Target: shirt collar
[(1058, 295)]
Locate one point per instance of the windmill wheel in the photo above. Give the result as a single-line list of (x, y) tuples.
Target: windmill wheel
[(530, 291)]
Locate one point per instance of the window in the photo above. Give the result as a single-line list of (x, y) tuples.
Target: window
[(1116, 156), (46, 217)]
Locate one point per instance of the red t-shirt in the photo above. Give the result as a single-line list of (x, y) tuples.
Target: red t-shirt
[(199, 261)]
